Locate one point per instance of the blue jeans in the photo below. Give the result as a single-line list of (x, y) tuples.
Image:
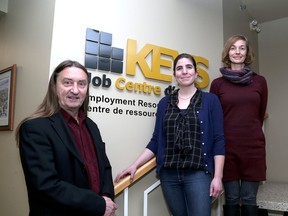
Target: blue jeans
[(187, 192), (241, 192)]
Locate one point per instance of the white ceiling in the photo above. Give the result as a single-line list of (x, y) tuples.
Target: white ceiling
[(261, 10), (266, 10)]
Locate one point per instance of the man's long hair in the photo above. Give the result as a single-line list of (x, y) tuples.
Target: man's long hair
[(50, 104)]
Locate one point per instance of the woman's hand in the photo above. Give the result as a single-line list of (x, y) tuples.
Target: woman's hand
[(216, 187), (129, 170), (143, 158)]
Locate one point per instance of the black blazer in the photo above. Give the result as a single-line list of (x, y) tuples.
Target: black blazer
[(56, 179)]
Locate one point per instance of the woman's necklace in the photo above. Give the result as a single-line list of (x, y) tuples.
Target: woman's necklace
[(184, 98)]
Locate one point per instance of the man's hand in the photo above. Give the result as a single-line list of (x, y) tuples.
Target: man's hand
[(111, 207)]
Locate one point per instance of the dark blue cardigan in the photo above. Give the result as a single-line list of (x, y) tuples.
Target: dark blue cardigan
[(211, 126)]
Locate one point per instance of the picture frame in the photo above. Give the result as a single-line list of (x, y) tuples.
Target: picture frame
[(7, 97)]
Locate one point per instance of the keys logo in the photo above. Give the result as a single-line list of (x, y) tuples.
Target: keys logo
[(101, 55)]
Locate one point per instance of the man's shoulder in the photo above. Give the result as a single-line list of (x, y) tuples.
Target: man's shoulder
[(43, 120), (38, 120)]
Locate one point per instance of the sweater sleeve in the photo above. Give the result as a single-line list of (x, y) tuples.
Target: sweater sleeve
[(218, 126), (264, 99), (158, 128)]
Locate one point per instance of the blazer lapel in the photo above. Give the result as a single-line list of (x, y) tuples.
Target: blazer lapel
[(65, 135), (97, 140)]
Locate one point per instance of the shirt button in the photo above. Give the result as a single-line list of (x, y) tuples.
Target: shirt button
[(203, 143)]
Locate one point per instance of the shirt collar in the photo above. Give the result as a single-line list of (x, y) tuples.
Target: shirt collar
[(67, 117)]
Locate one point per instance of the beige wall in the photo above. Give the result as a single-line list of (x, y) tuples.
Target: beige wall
[(236, 21), (25, 40), (270, 47), (273, 48)]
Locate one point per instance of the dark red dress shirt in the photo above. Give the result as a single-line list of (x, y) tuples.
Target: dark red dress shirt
[(85, 146)]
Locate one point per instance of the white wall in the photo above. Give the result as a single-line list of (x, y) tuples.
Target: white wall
[(273, 48), (186, 26)]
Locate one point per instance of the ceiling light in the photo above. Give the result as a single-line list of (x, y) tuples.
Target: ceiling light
[(254, 26)]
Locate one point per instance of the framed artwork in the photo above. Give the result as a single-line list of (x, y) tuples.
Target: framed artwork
[(7, 97)]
